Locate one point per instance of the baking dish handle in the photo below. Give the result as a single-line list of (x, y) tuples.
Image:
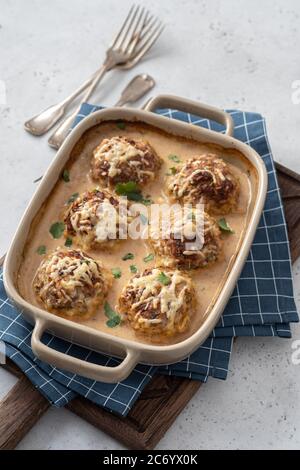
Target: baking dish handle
[(79, 366), (192, 107)]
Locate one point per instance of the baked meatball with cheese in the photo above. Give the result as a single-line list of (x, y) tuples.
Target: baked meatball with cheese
[(206, 179), (71, 284), (158, 303), (120, 159), (93, 219), (189, 243)]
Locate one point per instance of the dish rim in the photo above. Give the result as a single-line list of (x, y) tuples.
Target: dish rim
[(188, 345)]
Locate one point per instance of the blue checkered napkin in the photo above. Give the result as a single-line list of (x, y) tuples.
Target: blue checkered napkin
[(267, 271)]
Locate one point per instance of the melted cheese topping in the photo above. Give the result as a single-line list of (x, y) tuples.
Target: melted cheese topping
[(71, 272), (183, 182), (170, 298), (116, 150)]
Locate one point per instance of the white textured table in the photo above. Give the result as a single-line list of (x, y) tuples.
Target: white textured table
[(230, 54)]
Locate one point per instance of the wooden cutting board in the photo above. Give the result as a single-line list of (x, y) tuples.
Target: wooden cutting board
[(161, 401)]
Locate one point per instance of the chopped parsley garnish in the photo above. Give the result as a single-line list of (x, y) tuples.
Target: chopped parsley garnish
[(72, 198), (41, 250), (121, 125), (57, 229), (113, 322), (224, 226), (172, 171), (113, 318), (125, 188), (66, 176), (116, 272), (174, 158), (68, 242), (133, 268), (128, 256), (163, 279), (149, 258), (130, 190), (146, 202), (137, 197)]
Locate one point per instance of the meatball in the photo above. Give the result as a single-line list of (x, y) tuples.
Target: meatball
[(206, 179), (71, 284), (188, 244), (158, 302), (119, 160), (94, 219)]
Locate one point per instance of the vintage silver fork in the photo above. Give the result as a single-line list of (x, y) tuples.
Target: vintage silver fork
[(137, 35)]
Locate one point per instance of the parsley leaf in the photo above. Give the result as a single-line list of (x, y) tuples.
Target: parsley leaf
[(41, 250), (130, 190), (128, 256), (172, 171), (116, 272), (113, 322), (66, 176), (148, 258), (57, 229), (146, 202), (113, 318), (163, 279), (68, 242), (174, 158), (72, 198), (133, 268), (224, 226), (137, 197)]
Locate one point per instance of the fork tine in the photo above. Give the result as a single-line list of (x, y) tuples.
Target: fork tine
[(141, 51), (123, 39), (132, 34), (151, 26), (123, 26), (141, 19), (137, 33), (149, 34)]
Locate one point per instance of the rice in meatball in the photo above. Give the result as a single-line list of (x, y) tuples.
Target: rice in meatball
[(94, 220), (188, 244), (120, 159), (158, 302), (206, 179), (71, 284)]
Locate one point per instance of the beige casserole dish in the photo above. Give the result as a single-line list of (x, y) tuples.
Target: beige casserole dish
[(130, 350)]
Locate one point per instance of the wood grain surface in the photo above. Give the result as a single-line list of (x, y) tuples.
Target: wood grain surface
[(161, 401)]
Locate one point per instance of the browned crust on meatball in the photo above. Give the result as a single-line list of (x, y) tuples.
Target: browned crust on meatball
[(71, 284), (206, 179), (177, 252), (140, 167), (145, 310)]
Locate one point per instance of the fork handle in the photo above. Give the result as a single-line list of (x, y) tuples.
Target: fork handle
[(59, 135), (42, 122)]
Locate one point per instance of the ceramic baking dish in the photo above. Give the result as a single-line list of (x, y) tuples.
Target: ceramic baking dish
[(130, 351)]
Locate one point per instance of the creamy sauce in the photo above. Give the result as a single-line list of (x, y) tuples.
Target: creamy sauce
[(208, 282)]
